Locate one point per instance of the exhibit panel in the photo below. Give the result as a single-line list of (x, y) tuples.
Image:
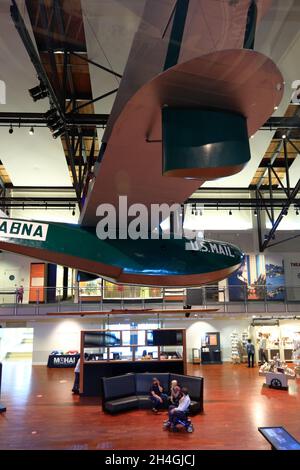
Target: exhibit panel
[(211, 349)]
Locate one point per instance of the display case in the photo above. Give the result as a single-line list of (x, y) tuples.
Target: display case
[(211, 349), (107, 353)]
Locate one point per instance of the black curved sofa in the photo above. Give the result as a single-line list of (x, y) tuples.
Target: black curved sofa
[(131, 391)]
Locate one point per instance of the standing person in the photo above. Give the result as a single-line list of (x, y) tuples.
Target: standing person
[(250, 353), (157, 396), (75, 388), (262, 348), (20, 293)]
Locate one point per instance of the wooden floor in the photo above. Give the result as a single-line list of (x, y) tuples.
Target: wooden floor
[(42, 413)]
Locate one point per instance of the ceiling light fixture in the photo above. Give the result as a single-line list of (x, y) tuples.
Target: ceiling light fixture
[(230, 212), (297, 211), (31, 131), (55, 123), (255, 212), (284, 136), (11, 129), (73, 212)]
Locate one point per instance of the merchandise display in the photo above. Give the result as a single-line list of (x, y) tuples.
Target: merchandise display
[(59, 359), (238, 346), (235, 348), (277, 373), (279, 340)]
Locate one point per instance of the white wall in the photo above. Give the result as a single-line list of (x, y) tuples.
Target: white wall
[(196, 330), (63, 334), (19, 266)]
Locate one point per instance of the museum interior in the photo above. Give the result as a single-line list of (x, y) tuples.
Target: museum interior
[(149, 225)]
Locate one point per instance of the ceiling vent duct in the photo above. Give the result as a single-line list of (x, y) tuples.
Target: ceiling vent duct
[(265, 322)]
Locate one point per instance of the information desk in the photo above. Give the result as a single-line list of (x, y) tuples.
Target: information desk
[(115, 352), (279, 438), (62, 360)]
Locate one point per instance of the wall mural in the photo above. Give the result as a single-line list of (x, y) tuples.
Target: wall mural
[(275, 281), (259, 277)]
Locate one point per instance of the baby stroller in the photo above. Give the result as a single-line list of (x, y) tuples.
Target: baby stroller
[(184, 421)]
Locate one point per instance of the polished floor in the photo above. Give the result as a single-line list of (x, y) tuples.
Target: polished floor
[(42, 413)]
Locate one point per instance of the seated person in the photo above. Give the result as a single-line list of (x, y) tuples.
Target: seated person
[(157, 396), (180, 411), (175, 393)]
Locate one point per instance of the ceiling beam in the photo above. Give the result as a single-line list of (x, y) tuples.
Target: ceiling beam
[(39, 118)]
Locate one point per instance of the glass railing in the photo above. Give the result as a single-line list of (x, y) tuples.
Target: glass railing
[(239, 298)]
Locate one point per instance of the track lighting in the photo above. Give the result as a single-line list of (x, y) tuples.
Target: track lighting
[(11, 129), (31, 131), (230, 212), (38, 92), (73, 212)]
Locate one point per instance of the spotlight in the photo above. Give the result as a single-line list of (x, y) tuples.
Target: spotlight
[(285, 212), (58, 133), (31, 131), (38, 92), (7, 212), (187, 314), (230, 212), (11, 130), (187, 307), (255, 213), (284, 136), (55, 123), (73, 212), (297, 211)]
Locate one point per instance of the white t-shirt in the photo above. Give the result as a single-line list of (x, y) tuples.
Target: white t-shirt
[(77, 367), (184, 403)]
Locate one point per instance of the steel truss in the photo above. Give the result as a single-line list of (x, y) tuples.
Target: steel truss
[(75, 126)]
